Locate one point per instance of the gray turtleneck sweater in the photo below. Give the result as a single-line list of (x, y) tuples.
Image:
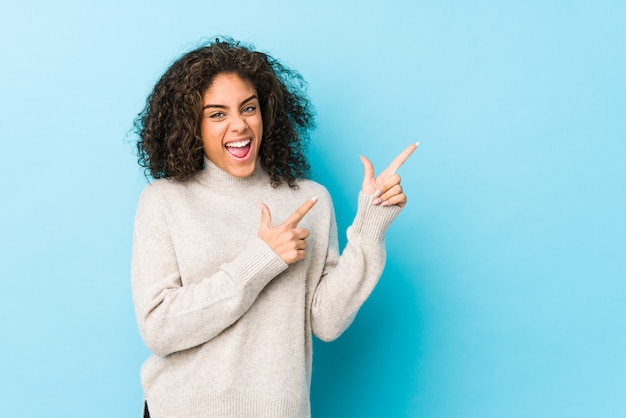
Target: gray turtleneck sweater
[(229, 323)]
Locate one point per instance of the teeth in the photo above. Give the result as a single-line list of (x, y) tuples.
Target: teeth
[(239, 144)]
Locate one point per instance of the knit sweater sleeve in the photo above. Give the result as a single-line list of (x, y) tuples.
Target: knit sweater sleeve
[(349, 279), (173, 317)]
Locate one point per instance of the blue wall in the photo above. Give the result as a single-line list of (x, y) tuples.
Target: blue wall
[(506, 279)]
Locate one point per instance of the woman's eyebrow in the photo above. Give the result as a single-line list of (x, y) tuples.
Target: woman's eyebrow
[(254, 96)]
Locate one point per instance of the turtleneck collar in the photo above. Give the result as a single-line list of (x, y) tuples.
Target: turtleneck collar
[(213, 176)]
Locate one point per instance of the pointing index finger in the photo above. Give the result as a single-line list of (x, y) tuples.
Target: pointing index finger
[(402, 157), (297, 216)]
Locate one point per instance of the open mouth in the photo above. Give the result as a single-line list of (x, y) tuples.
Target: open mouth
[(239, 149)]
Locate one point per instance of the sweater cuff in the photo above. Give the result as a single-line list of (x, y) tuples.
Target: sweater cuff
[(372, 221), (257, 266)]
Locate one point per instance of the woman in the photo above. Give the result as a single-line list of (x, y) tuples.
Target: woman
[(235, 257)]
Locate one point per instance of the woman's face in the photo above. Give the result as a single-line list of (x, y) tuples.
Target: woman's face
[(232, 126)]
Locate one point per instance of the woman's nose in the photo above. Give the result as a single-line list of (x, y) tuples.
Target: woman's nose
[(239, 124)]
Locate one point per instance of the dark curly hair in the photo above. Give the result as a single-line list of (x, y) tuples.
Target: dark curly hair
[(170, 145)]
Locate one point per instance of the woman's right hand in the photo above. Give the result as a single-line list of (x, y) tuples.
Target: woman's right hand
[(286, 239)]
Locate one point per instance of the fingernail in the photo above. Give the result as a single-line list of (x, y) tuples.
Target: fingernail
[(376, 201), (314, 198), (417, 144), (385, 203), (376, 193), (260, 205)]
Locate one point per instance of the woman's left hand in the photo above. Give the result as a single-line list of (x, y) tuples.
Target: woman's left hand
[(387, 185)]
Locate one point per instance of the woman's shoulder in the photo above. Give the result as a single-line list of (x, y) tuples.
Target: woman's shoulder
[(311, 188), (311, 185), (159, 190), (164, 186)]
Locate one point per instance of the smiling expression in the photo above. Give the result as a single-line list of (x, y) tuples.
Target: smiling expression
[(232, 126)]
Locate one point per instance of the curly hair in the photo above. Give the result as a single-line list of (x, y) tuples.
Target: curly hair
[(169, 143)]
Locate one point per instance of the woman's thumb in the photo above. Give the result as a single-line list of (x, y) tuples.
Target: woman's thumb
[(266, 216), (368, 169)]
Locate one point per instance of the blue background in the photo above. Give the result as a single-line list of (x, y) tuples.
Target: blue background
[(504, 294)]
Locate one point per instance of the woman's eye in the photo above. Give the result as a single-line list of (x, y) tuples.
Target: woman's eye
[(249, 109), (216, 115)]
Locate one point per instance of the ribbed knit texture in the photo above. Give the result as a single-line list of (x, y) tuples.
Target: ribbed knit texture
[(229, 323)]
